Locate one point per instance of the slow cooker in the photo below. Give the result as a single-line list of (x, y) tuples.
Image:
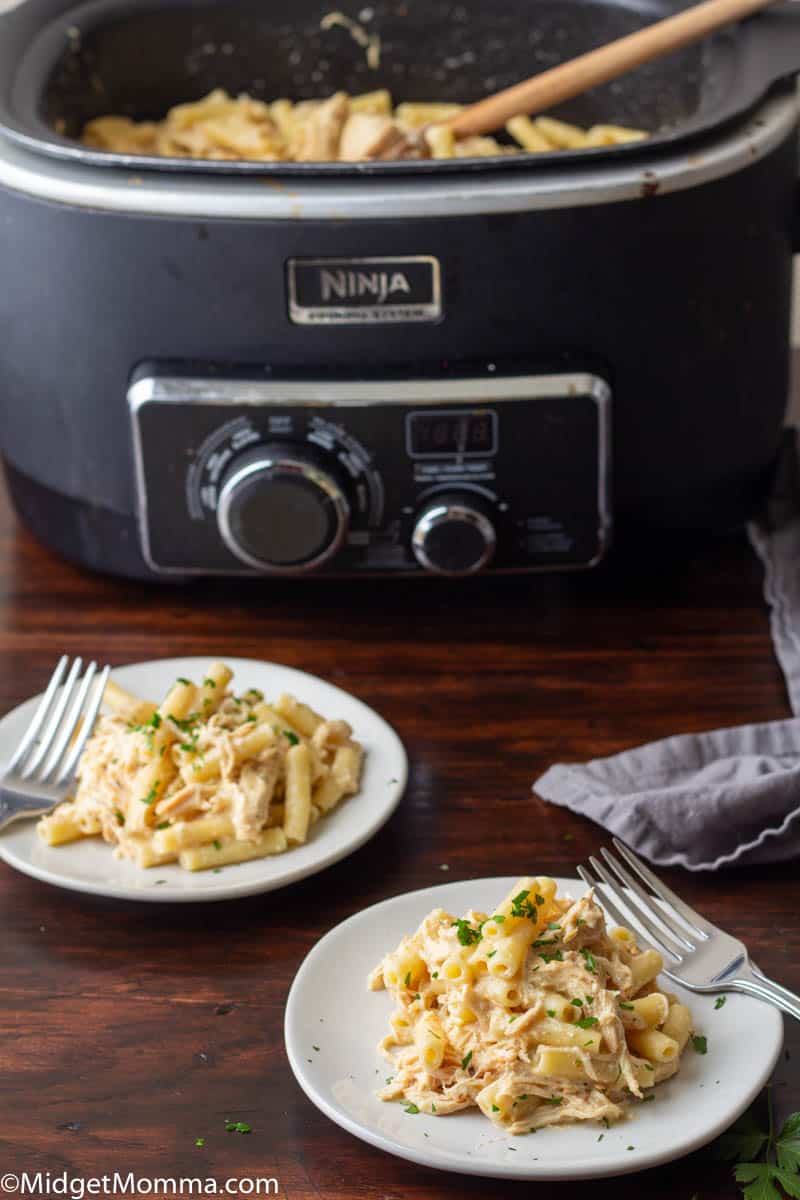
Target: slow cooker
[(381, 368)]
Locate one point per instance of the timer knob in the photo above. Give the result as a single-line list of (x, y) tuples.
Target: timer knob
[(282, 510), (454, 534)]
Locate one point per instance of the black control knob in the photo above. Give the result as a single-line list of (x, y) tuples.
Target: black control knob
[(283, 509), (454, 534)]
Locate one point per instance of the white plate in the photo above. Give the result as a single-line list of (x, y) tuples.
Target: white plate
[(89, 866), (333, 1026)]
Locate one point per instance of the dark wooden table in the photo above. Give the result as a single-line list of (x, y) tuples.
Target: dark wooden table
[(127, 1031)]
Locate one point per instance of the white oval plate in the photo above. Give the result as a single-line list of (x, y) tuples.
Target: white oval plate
[(333, 1026), (89, 866)]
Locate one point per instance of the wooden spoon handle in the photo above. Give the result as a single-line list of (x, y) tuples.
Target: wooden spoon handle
[(542, 91)]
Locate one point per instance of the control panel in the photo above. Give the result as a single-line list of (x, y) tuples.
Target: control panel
[(450, 475)]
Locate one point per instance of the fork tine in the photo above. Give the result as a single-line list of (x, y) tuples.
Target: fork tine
[(690, 915), (53, 724), (88, 724), (666, 920), (641, 917), (68, 726), (610, 907), (40, 714)]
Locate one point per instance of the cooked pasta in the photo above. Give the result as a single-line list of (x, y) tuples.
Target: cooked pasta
[(340, 128), (207, 778), (535, 1013)]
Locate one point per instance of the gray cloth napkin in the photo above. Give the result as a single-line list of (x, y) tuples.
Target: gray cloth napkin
[(730, 796)]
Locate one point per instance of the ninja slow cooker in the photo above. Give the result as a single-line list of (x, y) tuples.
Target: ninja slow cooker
[(396, 367)]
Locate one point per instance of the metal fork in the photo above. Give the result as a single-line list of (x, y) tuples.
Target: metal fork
[(44, 763), (697, 954)]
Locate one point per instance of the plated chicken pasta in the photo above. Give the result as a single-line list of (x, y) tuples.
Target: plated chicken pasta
[(207, 778), (536, 1013)]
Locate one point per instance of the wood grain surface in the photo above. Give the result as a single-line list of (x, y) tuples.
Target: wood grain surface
[(127, 1032)]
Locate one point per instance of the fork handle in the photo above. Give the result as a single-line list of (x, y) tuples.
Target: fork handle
[(756, 984), (13, 808)]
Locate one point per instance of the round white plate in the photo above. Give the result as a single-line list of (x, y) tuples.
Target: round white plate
[(89, 866), (333, 1025)]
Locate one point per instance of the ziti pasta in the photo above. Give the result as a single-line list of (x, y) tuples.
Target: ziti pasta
[(341, 128), (207, 778), (535, 1013)]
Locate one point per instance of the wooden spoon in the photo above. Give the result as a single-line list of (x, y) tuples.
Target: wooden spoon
[(570, 79)]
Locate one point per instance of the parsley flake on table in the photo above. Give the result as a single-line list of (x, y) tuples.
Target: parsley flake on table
[(237, 1127), (199, 1141), (700, 1043), (719, 1002), (412, 1109), (315, 1048)]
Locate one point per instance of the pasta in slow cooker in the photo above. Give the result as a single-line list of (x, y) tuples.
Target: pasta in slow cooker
[(341, 128)]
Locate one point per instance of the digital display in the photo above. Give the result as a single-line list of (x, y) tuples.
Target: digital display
[(449, 434)]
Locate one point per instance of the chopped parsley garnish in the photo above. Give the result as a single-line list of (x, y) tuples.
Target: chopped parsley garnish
[(185, 682), (418, 997), (577, 1002), (539, 899), (217, 844), (554, 1100), (162, 825), (207, 682), (524, 1096), (548, 958), (580, 921), (495, 1108), (251, 717), (315, 1048), (200, 1141), (629, 1007), (237, 1127), (647, 1099), (499, 918), (435, 975), (553, 925), (649, 1067), (467, 934), (407, 980), (589, 999), (551, 1012), (513, 1017), (521, 906), (293, 739), (155, 720), (587, 1022), (255, 692), (606, 1122), (189, 747), (151, 795), (412, 1109), (700, 1043), (589, 959), (119, 817), (491, 954), (466, 1060), (433, 1108), (720, 1000), (589, 1043)]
